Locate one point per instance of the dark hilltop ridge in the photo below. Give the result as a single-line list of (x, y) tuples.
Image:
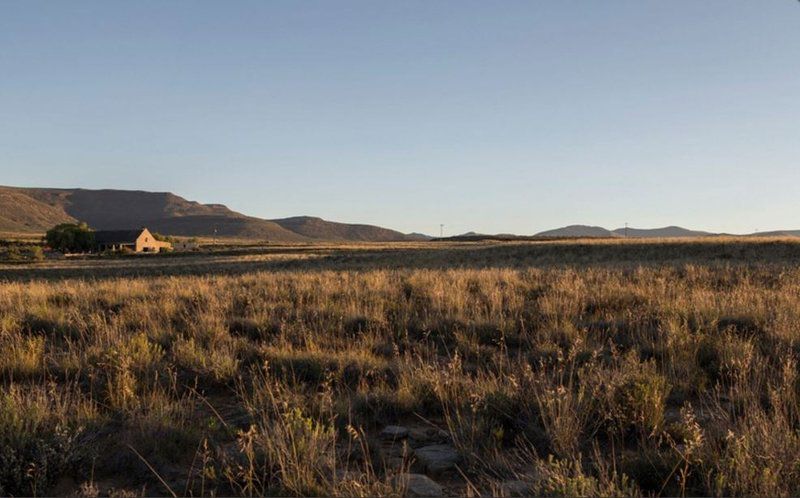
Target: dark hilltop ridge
[(671, 231), (317, 228), (38, 209), (578, 231)]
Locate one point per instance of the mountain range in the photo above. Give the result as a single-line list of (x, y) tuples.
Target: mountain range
[(38, 209), (35, 210), (648, 233), (594, 231), (587, 231)]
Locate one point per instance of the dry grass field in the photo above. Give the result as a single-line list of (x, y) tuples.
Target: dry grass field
[(582, 368)]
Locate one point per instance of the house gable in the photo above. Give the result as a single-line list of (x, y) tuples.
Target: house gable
[(138, 240)]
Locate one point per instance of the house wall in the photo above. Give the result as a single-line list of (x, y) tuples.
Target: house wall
[(146, 242)]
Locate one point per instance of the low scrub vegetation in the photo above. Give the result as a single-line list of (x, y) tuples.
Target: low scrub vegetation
[(572, 379), (20, 253)]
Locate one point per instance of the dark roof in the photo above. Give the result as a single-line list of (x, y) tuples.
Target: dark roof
[(117, 236)]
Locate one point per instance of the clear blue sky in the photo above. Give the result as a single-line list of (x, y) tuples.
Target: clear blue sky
[(486, 116)]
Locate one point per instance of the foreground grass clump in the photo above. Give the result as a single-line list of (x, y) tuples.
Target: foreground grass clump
[(41, 429), (593, 374)]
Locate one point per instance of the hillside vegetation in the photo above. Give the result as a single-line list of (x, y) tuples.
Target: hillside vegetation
[(21, 213), (317, 228), (121, 209), (604, 368), (39, 209)]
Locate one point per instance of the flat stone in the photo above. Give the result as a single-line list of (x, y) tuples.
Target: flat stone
[(419, 485), (394, 432), (437, 458), (423, 436), (414, 443), (426, 436)]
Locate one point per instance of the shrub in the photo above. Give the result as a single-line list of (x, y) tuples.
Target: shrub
[(70, 237), (640, 400), (287, 451), (39, 434), (567, 478), (20, 253)]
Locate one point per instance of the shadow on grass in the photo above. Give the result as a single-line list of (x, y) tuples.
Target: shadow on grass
[(627, 254)]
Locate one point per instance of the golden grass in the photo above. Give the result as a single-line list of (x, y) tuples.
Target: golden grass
[(582, 368)]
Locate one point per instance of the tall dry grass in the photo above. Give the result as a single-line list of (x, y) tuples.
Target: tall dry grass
[(676, 378)]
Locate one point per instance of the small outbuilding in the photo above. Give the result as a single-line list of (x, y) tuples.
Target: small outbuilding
[(140, 240)]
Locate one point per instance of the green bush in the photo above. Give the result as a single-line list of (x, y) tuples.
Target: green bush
[(70, 237), (637, 400)]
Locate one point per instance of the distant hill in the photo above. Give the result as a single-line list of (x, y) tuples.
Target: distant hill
[(578, 231), (482, 237), (777, 233), (159, 211), (317, 228), (35, 210), (38, 209), (418, 236), (21, 213), (671, 231)]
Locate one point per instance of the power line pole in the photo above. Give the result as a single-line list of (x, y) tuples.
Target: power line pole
[(441, 230), (626, 229)]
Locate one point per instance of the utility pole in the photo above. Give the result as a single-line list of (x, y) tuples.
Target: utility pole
[(626, 229), (441, 230)]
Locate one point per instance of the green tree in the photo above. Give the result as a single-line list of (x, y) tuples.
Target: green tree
[(164, 238), (70, 237)]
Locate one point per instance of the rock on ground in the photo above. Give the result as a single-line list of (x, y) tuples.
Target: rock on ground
[(419, 485), (394, 432), (437, 458), (424, 436)]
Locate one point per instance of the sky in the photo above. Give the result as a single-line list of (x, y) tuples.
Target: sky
[(496, 117)]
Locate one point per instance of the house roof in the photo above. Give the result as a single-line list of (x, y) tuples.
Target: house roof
[(117, 236)]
